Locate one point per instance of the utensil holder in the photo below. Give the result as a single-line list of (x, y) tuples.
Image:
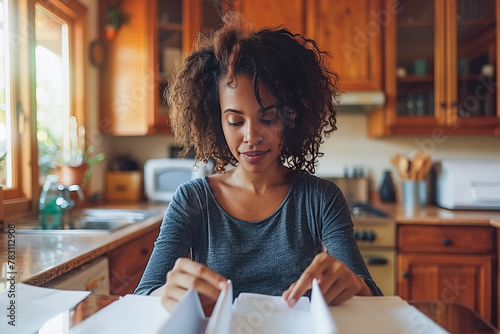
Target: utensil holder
[(414, 195)]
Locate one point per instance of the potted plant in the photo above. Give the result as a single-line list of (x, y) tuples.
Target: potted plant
[(77, 170)]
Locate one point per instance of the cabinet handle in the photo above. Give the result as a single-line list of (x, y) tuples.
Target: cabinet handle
[(405, 274), (144, 251), (446, 242), (443, 104)]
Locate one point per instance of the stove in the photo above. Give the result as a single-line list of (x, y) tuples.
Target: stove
[(375, 232)]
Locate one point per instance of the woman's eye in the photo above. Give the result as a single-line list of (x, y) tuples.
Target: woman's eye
[(234, 123), (268, 121)]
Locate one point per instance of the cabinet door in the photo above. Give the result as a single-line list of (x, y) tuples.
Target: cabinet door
[(127, 263), (462, 279), (472, 65), (498, 280), (271, 13), (176, 26), (415, 60), (351, 30), (125, 78)]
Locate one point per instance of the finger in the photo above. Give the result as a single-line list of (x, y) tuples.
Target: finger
[(287, 292), (343, 296), (304, 283), (199, 284), (328, 280), (199, 270), (334, 291), (175, 292), (169, 303)]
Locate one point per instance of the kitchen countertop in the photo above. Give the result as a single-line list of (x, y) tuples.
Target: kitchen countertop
[(439, 216), (39, 258)]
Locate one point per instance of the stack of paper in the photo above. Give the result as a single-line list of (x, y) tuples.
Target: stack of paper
[(26, 308), (260, 314), (130, 314)]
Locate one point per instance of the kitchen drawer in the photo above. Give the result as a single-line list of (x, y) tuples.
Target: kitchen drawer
[(446, 239), (127, 263)]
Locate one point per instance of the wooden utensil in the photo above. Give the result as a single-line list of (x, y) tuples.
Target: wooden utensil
[(416, 166), (403, 166)]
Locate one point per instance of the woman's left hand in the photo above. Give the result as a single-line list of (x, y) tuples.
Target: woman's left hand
[(337, 282)]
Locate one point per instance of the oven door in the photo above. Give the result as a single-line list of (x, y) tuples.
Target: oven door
[(382, 266)]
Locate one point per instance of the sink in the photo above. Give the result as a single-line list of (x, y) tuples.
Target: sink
[(90, 221)]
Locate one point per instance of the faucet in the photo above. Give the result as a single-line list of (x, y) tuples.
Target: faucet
[(67, 203)]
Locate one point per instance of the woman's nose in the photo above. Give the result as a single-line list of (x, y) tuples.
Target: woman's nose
[(253, 134)]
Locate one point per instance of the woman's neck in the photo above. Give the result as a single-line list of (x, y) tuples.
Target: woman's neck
[(259, 182)]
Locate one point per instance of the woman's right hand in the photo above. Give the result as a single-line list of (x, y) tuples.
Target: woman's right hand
[(187, 274)]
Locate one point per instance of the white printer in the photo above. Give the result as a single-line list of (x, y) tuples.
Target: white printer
[(468, 184)]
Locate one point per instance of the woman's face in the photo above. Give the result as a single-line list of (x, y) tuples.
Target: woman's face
[(253, 137)]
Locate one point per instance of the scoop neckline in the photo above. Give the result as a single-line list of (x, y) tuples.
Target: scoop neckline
[(278, 209)]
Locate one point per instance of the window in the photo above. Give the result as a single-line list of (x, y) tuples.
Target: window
[(6, 101), (42, 56)]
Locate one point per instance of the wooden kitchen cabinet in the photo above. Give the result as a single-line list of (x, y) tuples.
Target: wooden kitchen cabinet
[(127, 263), (447, 263), (348, 29), (498, 278), (441, 60), (351, 30), (140, 59), (272, 13)]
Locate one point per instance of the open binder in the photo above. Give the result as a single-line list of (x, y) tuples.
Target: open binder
[(252, 313)]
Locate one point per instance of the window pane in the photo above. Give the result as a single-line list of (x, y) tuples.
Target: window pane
[(52, 89), (5, 100)]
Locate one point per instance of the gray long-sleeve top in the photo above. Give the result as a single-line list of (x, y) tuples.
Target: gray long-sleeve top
[(260, 257)]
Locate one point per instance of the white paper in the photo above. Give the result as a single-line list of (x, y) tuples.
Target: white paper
[(130, 314), (33, 306), (262, 314), (220, 321), (323, 322), (187, 318), (381, 315)]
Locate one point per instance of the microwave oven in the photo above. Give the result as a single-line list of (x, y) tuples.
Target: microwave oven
[(162, 177)]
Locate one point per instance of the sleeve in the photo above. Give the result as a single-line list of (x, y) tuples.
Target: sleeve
[(174, 241), (337, 232)]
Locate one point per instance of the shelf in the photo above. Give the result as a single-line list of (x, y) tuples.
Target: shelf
[(472, 77), (415, 24), (169, 26), (416, 78), (477, 22)]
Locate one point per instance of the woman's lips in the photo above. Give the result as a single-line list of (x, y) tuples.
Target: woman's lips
[(254, 156)]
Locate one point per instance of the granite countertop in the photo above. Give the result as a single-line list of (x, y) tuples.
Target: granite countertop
[(39, 258), (439, 216)]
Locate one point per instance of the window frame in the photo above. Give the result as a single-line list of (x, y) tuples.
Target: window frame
[(23, 196)]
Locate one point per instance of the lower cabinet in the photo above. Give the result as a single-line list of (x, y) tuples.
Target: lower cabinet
[(127, 263), (498, 278), (434, 264)]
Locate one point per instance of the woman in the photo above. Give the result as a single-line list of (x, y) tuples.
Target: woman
[(260, 101)]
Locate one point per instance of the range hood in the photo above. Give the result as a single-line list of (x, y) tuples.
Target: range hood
[(361, 101)]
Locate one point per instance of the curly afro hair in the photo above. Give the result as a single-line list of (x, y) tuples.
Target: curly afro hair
[(290, 65)]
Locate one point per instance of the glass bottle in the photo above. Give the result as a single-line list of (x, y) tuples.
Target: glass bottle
[(50, 201), (386, 191)]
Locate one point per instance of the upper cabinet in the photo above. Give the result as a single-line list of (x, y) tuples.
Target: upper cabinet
[(440, 68), (272, 13), (351, 30), (142, 56)]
